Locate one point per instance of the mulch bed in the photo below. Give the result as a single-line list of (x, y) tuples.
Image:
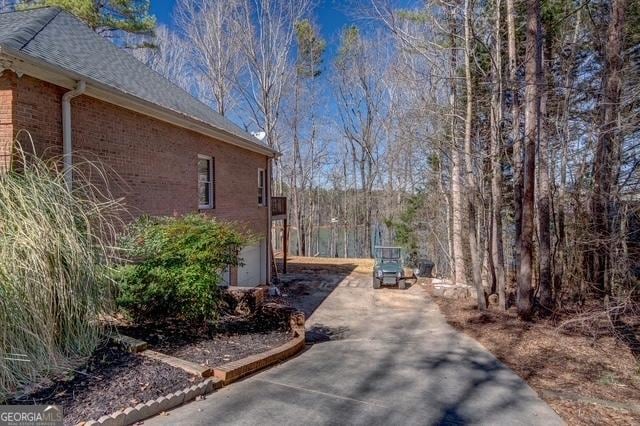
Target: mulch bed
[(230, 339), (112, 379), (583, 378)]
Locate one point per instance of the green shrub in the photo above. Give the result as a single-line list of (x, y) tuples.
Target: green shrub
[(54, 251), (175, 265)]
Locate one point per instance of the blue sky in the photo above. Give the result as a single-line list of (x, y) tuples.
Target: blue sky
[(330, 15)]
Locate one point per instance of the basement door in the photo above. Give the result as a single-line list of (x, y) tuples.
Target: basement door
[(253, 272)]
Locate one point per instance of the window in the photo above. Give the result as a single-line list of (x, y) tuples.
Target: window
[(206, 182), (262, 198)]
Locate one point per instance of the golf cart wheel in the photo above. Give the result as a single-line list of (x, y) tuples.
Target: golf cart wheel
[(402, 284), (376, 283)]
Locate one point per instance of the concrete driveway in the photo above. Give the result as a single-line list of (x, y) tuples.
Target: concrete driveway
[(391, 360)]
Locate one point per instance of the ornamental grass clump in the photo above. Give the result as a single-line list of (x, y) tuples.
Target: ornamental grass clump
[(175, 266), (54, 285)]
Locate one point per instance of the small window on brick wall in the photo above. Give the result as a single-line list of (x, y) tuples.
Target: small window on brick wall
[(262, 197), (206, 182)]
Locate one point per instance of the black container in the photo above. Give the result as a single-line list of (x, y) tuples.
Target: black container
[(425, 267)]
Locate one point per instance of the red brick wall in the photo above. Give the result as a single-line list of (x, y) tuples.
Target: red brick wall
[(7, 84), (152, 164)]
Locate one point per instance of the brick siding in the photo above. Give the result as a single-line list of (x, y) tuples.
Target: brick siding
[(7, 85), (150, 163)]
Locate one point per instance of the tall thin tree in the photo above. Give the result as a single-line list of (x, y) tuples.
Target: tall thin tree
[(515, 128), (606, 163), (497, 250), (213, 31), (533, 68), (468, 154)]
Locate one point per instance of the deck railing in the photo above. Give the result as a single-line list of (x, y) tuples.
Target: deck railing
[(278, 206)]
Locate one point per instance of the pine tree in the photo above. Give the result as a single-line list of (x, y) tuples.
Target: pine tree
[(311, 48), (130, 16)]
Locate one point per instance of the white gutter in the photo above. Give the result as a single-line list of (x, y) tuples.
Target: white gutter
[(67, 146)]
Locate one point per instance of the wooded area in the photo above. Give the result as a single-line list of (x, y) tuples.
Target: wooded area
[(498, 138)]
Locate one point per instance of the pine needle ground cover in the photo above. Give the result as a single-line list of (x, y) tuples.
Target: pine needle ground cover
[(586, 380)]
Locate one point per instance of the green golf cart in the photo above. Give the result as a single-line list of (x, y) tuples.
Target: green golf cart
[(389, 268)]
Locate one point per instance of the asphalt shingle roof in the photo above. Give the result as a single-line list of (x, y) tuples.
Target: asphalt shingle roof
[(60, 39)]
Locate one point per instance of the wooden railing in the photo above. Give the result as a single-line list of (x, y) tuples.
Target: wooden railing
[(278, 206)]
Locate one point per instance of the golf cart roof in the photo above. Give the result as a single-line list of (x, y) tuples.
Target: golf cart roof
[(382, 252)]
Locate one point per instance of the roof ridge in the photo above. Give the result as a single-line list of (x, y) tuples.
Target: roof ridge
[(20, 26), (29, 9), (55, 15)]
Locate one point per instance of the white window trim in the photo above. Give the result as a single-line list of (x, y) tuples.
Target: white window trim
[(210, 205), (264, 187)]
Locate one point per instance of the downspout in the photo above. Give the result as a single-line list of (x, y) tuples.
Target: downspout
[(270, 224), (67, 146)]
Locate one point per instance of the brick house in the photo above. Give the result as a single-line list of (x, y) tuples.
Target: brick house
[(79, 95)]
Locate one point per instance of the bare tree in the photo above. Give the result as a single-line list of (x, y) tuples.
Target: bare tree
[(268, 37), (533, 68), (361, 96), (457, 207), (544, 204), (468, 155), (606, 163), (568, 81), (433, 34), (303, 123), (424, 125), (169, 57), (212, 31), (515, 127), (497, 250)]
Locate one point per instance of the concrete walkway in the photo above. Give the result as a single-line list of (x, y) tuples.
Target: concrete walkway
[(391, 360)]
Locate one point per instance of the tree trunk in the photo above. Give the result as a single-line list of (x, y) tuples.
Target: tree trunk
[(471, 193), (497, 250), (296, 188), (515, 130), (459, 272), (544, 210), (532, 124), (560, 256), (606, 162)]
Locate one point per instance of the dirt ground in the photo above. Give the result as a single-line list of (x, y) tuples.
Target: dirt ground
[(327, 264), (309, 280), (586, 381)]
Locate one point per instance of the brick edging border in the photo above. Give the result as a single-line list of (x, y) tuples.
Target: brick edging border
[(232, 371), (223, 376), (192, 368), (132, 415)]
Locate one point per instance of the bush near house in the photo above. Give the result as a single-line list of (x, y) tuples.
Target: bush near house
[(174, 266), (54, 251)]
